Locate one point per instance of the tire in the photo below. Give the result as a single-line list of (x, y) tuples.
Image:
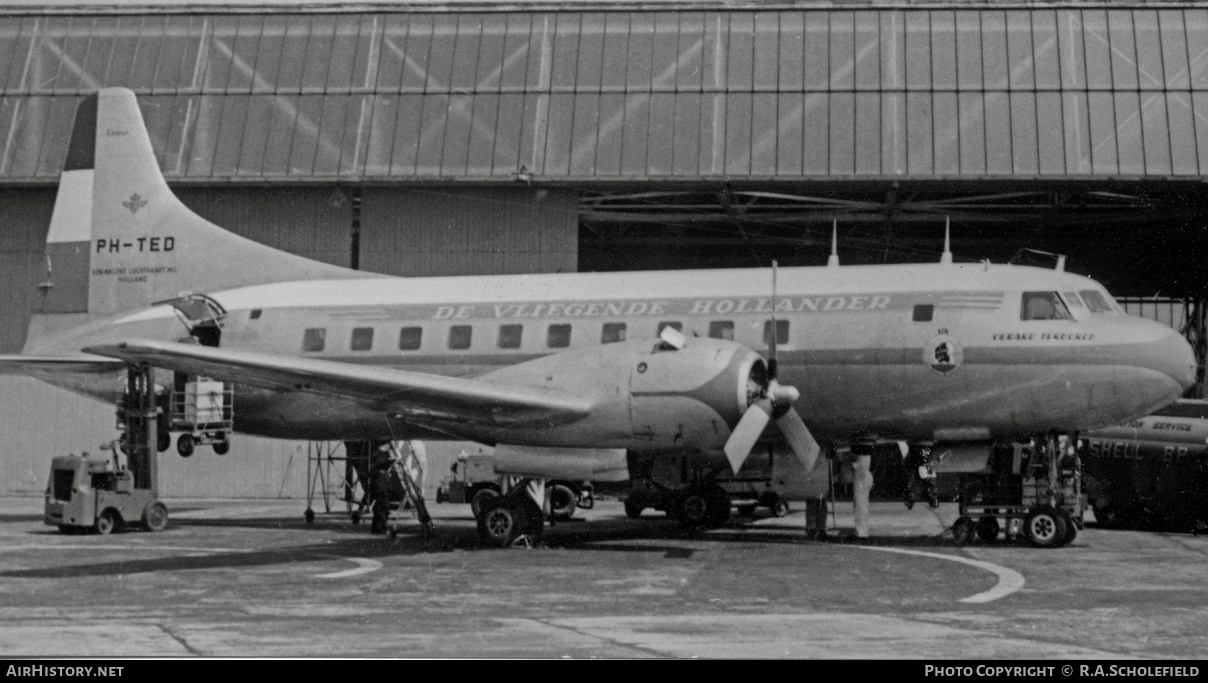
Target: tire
[(479, 499), (163, 439), (155, 516), (356, 518), (1108, 516), (780, 508), (1071, 528), (1044, 527), (693, 508), (987, 529), (964, 530), (499, 524), (222, 447), (309, 515), (746, 510), (107, 522), (633, 510), (184, 445), (719, 507), (562, 502)]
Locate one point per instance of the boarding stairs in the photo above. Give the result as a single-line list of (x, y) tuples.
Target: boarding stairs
[(409, 470)]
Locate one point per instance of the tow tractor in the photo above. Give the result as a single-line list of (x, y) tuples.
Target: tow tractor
[(1031, 490), (107, 494)]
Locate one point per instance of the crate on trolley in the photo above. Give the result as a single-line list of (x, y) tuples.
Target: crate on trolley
[(202, 409), (1031, 491)]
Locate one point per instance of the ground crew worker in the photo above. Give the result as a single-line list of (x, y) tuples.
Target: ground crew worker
[(380, 485), (919, 473)]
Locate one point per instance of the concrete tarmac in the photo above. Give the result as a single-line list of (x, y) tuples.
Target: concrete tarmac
[(253, 579)]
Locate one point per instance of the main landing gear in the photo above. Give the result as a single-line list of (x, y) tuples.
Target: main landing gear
[(511, 518)]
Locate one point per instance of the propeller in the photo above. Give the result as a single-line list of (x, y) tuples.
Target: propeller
[(771, 400)]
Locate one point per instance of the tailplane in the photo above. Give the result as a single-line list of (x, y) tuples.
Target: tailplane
[(120, 239)]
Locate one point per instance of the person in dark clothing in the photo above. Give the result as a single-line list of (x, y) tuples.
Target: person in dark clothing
[(919, 473), (380, 485)]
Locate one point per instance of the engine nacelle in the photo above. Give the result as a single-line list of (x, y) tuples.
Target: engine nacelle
[(647, 394)]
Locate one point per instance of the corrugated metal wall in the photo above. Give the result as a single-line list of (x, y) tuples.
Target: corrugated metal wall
[(468, 231), (24, 220)]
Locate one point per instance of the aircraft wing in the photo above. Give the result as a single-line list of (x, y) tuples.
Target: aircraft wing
[(428, 400), (18, 364)]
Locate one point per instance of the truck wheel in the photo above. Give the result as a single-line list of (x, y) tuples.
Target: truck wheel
[(222, 447), (562, 502), (964, 530), (184, 445), (633, 510), (693, 508), (155, 517), (1044, 527), (1071, 529), (719, 507), (106, 522), (479, 499), (499, 524), (987, 528), (163, 439)]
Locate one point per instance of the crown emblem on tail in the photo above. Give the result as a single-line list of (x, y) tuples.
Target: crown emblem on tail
[(134, 203)]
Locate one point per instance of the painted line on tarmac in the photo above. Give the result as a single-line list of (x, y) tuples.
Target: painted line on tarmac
[(81, 546), (364, 566), (1009, 580)]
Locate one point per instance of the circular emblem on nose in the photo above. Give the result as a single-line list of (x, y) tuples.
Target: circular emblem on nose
[(943, 354)]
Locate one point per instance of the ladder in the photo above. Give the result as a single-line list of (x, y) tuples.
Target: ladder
[(409, 471)]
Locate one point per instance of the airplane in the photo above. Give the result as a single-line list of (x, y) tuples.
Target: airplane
[(571, 376)]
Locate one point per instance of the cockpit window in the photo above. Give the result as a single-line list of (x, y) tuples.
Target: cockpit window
[(1096, 301), (1043, 306)]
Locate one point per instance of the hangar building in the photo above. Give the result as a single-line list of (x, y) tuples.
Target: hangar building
[(470, 138)]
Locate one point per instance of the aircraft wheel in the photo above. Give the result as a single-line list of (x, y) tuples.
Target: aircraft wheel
[(499, 524), (309, 515), (155, 517), (106, 522), (1044, 527), (222, 447), (987, 529), (964, 530), (780, 508), (163, 439), (746, 510), (633, 510), (479, 500), (184, 445), (693, 508), (562, 502)]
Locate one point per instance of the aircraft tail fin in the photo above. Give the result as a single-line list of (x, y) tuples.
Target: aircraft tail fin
[(120, 239)]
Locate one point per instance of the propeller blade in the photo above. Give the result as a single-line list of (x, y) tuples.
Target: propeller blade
[(747, 432), (799, 438)]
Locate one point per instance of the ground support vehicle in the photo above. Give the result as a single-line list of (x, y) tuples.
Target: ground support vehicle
[(702, 494), (1032, 491), (473, 480), (105, 494)]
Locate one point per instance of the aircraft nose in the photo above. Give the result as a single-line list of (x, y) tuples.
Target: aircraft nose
[(1171, 355)]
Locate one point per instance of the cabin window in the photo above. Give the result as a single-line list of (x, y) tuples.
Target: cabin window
[(1096, 301), (509, 336), (1043, 306), (255, 314), (923, 312), (314, 339), (612, 332), (459, 336), (673, 324), (722, 329), (558, 336), (409, 338), (782, 332), (362, 339)]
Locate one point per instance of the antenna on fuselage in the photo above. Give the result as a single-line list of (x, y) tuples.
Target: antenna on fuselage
[(946, 257), (833, 261)]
